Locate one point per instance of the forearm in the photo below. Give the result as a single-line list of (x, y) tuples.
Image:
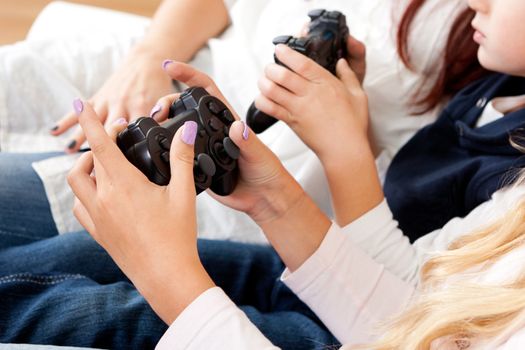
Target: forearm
[(297, 226), (181, 27), (354, 183)]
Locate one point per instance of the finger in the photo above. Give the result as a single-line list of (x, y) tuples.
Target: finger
[(252, 149), (271, 108), (276, 93), (104, 149), (357, 57), (115, 113), (83, 217), (192, 77), (299, 63), (286, 78), (346, 75), (161, 109), (78, 139), (81, 182), (64, 124), (304, 29), (116, 127), (181, 160), (76, 142)]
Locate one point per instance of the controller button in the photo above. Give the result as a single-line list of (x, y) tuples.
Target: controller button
[(215, 124), (165, 144), (231, 148), (214, 107), (165, 156), (206, 164), (315, 13), (228, 116), (301, 42), (333, 14), (282, 39)]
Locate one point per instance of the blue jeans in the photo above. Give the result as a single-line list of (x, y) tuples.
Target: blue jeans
[(66, 290)]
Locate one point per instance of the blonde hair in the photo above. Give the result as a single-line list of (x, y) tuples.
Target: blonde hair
[(463, 311)]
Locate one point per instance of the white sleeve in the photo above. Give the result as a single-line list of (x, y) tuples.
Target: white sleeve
[(347, 289), (378, 235), (212, 321)]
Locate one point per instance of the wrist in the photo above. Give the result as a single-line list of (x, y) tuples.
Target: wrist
[(172, 284), (276, 200)]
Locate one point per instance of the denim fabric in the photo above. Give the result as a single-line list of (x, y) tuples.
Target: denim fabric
[(66, 290), (25, 215)]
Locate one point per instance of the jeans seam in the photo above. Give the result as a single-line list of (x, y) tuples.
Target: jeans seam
[(6, 233), (37, 279)]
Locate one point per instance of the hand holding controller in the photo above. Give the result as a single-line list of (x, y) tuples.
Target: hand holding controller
[(325, 44), (146, 144)]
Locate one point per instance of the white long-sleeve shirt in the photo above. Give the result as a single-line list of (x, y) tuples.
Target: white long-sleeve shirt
[(360, 275)]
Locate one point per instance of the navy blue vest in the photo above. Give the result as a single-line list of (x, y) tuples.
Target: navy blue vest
[(450, 166)]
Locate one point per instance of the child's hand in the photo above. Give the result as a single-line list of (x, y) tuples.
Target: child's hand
[(265, 188), (329, 113)]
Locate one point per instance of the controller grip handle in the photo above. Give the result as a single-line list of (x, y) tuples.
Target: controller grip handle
[(258, 121)]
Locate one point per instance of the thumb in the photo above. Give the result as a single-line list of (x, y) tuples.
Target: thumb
[(182, 153), (252, 149), (346, 75)]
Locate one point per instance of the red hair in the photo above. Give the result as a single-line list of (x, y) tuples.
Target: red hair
[(459, 66)]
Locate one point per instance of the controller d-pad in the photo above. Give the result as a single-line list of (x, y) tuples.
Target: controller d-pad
[(165, 156), (228, 116), (164, 143), (214, 108), (205, 164), (215, 124)]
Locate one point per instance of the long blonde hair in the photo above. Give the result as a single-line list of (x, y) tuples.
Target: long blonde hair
[(463, 311)]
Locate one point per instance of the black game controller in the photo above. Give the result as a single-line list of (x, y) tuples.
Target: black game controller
[(146, 144), (325, 44)]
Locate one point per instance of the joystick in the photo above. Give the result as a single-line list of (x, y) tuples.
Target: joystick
[(325, 44), (146, 144)]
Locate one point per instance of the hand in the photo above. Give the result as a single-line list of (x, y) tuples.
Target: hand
[(319, 107), (265, 189), (129, 93), (149, 230)]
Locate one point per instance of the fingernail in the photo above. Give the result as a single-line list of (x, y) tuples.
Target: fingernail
[(189, 132), (166, 63), (54, 128), (72, 144), (156, 109), (245, 131), (78, 105), (120, 121)]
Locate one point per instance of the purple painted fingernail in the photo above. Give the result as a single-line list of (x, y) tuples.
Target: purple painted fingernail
[(120, 121), (166, 63), (189, 132), (156, 109), (245, 131), (78, 105)]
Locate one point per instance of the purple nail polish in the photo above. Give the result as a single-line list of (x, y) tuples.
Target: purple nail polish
[(166, 63), (78, 105), (189, 132), (245, 131), (120, 121), (156, 109)]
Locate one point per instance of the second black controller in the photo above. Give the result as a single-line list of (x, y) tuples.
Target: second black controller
[(325, 44), (146, 144)]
